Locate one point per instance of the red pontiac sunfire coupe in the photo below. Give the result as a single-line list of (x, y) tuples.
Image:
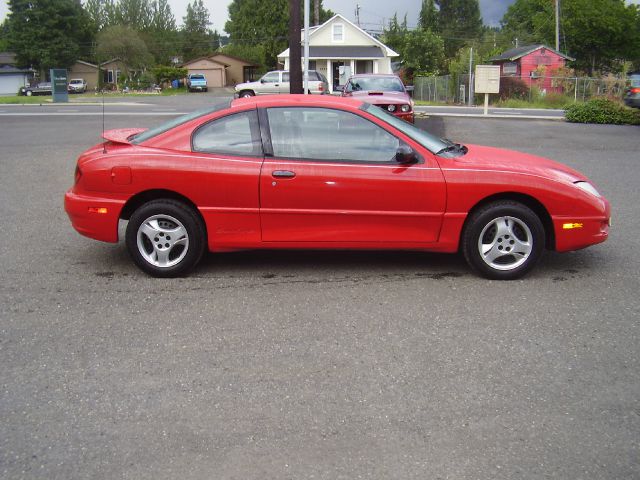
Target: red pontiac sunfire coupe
[(313, 172)]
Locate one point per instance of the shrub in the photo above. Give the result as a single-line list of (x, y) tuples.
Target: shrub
[(602, 110), (512, 87)]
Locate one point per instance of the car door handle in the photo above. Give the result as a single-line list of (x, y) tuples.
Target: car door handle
[(283, 174)]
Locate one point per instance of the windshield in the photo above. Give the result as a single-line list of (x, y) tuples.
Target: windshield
[(635, 80), (386, 84), (147, 134), (430, 142), (197, 77)]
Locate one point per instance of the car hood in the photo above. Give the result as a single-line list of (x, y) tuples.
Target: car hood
[(241, 86), (380, 98), (497, 159)]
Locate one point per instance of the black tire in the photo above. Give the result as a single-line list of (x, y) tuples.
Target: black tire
[(503, 240), (151, 245), (246, 94), (28, 93)]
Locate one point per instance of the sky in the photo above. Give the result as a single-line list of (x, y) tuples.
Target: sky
[(373, 13)]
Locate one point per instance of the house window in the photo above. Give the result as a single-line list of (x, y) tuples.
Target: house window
[(337, 33), (108, 76), (364, 66)]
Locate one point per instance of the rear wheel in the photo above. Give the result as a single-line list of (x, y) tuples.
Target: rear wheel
[(246, 94), (165, 238), (29, 93), (503, 240)]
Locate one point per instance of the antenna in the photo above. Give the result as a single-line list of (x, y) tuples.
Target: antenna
[(104, 143)]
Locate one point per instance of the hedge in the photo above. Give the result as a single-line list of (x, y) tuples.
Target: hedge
[(602, 110)]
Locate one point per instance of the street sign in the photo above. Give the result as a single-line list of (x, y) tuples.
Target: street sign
[(59, 85), (487, 79)]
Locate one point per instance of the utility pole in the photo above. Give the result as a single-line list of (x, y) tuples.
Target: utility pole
[(557, 25), (295, 62), (316, 12), (470, 75), (358, 14), (305, 72)]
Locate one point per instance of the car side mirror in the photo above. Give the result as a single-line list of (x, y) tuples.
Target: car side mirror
[(262, 80), (406, 155)]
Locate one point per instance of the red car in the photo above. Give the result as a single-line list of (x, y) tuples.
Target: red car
[(383, 90), (316, 172)]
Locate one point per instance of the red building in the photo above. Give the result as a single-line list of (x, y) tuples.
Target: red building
[(535, 64)]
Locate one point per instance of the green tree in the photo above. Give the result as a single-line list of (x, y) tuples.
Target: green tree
[(600, 34), (47, 34), (394, 36), (423, 52), (429, 17), (196, 37), (460, 24), (263, 23), (162, 36), (124, 43), (164, 74), (136, 14), (4, 36)]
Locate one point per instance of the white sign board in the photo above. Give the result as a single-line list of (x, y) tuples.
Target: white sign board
[(487, 79)]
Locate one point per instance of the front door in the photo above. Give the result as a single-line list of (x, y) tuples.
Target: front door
[(333, 178), (270, 84)]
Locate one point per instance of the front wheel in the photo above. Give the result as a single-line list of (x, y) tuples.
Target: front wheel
[(503, 240), (165, 238)]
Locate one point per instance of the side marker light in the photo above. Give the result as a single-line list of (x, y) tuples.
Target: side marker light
[(569, 226), (98, 210)]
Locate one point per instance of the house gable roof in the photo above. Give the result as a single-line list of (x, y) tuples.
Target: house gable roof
[(207, 58), (516, 53), (233, 57), (316, 31)]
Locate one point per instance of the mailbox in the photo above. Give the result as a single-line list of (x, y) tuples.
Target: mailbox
[(487, 79)]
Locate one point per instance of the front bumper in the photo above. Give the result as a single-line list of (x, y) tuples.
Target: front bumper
[(632, 101), (94, 217), (576, 233)]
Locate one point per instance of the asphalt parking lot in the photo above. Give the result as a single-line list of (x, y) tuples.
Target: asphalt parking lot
[(325, 365)]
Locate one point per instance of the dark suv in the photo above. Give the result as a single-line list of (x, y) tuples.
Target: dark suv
[(632, 92)]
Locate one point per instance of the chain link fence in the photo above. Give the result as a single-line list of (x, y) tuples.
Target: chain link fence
[(454, 89)]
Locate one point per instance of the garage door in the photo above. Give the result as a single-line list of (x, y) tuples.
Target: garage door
[(10, 84), (214, 76)]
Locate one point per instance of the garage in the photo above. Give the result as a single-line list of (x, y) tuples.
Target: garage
[(212, 70), (11, 79)]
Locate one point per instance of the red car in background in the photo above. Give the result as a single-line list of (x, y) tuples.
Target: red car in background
[(319, 172), (385, 91)]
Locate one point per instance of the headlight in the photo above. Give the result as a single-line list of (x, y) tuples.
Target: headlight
[(405, 108), (391, 108), (587, 187)]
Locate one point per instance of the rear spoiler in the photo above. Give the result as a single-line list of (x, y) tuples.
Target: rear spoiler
[(121, 135)]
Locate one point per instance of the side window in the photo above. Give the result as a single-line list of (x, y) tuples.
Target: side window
[(328, 134), (272, 77), (237, 134), (285, 76)]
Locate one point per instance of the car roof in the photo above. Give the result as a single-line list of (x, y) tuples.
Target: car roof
[(380, 75), (286, 100)]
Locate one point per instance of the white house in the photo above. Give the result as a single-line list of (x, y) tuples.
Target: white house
[(339, 48)]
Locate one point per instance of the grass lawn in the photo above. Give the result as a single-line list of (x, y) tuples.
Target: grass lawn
[(84, 97)]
